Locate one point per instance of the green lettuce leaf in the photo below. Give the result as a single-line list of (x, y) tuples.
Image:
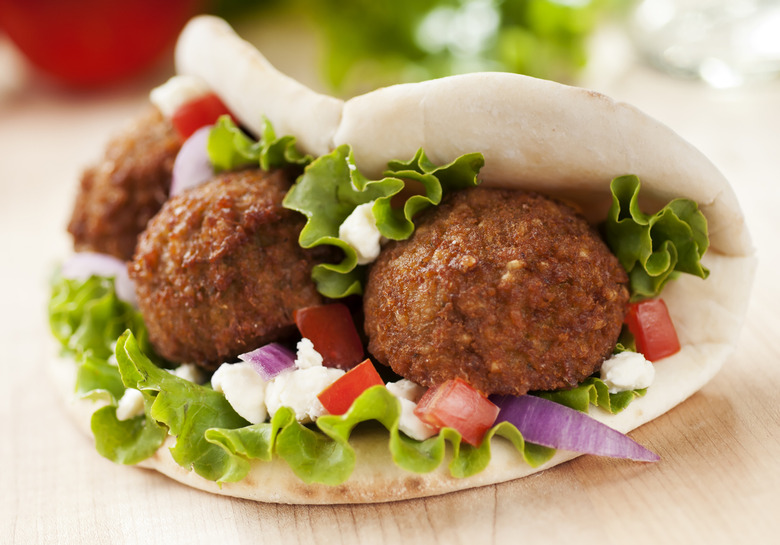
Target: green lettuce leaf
[(332, 187), (97, 379), (459, 174), (229, 148), (626, 341), (127, 441), (325, 455), (653, 248), (593, 391), (88, 317), (218, 444), (186, 409)]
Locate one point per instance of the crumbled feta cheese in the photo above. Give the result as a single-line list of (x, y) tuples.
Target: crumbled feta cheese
[(408, 394), (130, 405), (306, 356), (177, 91), (627, 371), (244, 389), (406, 389), (298, 390), (359, 230), (411, 425), (189, 371)]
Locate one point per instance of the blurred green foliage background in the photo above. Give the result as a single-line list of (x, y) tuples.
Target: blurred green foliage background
[(368, 43)]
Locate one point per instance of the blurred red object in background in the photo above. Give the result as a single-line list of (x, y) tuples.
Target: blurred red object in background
[(90, 43)]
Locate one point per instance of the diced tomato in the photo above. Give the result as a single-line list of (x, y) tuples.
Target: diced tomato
[(332, 331), (339, 396), (455, 404), (197, 113), (653, 330)]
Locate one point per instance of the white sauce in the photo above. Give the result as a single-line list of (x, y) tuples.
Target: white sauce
[(406, 389), (306, 356), (130, 405), (359, 230), (409, 393), (627, 371), (190, 372), (298, 390), (244, 389)]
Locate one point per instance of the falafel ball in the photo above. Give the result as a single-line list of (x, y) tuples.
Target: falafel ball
[(119, 195), (508, 290), (219, 271)]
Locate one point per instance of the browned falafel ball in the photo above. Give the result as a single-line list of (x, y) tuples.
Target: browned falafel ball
[(119, 195), (508, 290), (219, 271)]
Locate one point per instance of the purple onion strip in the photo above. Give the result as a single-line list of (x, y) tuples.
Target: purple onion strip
[(270, 360), (192, 165), (82, 265), (553, 425)]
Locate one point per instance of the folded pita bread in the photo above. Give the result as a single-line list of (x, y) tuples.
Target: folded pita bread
[(559, 140)]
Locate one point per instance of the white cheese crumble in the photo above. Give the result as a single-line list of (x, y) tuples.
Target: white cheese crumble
[(188, 371), (306, 356), (627, 371), (130, 405), (244, 389), (408, 394), (406, 389), (177, 91), (298, 390), (359, 230)]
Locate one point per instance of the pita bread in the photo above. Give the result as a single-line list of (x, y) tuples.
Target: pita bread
[(534, 134), (209, 49)]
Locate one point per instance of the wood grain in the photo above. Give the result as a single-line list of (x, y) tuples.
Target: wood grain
[(718, 481)]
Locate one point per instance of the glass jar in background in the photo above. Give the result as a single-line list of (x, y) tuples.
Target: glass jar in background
[(725, 43)]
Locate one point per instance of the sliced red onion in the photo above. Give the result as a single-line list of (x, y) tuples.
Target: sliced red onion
[(192, 166), (550, 424), (82, 265), (270, 360)]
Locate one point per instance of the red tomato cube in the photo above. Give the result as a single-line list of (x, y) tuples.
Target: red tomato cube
[(197, 113), (332, 331), (653, 330), (455, 404), (339, 396)]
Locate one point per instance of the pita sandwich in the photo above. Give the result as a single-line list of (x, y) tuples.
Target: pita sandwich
[(557, 140)]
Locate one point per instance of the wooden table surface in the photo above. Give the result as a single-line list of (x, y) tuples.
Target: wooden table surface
[(718, 481)]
